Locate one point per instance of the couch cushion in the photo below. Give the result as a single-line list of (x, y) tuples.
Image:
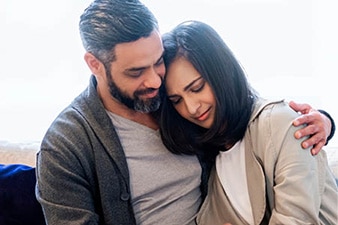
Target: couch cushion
[(18, 204)]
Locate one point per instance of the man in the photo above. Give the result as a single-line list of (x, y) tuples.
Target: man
[(102, 160)]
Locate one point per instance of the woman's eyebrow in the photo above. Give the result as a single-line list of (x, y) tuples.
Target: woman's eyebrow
[(186, 87), (192, 83)]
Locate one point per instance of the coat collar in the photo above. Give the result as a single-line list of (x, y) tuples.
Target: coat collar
[(91, 107)]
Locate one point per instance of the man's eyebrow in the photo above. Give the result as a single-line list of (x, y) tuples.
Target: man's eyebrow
[(192, 83), (132, 69)]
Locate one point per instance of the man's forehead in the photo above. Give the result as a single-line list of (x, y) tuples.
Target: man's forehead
[(142, 52)]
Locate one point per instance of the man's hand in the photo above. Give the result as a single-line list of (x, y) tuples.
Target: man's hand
[(318, 126)]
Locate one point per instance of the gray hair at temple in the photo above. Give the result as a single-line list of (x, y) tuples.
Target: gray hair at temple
[(106, 23)]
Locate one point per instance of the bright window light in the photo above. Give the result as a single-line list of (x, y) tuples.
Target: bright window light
[(287, 47)]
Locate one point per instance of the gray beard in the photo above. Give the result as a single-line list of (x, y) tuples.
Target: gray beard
[(137, 104)]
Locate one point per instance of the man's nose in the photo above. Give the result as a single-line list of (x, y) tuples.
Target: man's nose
[(153, 79)]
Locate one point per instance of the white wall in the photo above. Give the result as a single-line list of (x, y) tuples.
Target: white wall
[(288, 48)]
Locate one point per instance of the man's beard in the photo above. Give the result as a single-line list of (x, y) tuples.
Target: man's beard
[(137, 104)]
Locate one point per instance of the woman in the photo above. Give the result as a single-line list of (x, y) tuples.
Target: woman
[(261, 175)]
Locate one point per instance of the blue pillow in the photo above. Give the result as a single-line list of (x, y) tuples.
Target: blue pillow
[(18, 204)]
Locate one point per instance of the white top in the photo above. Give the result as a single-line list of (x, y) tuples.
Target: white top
[(230, 167)]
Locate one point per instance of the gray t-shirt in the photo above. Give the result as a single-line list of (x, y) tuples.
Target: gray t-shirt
[(165, 187)]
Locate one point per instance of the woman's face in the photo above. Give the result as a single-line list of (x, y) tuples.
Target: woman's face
[(190, 94)]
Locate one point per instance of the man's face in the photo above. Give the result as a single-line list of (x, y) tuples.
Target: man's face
[(136, 75)]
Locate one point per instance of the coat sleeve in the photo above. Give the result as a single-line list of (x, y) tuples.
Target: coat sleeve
[(298, 177), (64, 183)]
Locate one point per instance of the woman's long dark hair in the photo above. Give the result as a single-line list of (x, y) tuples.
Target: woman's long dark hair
[(206, 51)]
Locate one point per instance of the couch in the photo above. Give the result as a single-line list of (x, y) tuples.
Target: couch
[(19, 204)]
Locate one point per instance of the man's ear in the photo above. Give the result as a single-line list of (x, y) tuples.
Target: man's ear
[(94, 64)]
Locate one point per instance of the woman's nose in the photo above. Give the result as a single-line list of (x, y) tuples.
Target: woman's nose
[(192, 105)]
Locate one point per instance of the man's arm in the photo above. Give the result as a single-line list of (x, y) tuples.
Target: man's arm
[(320, 126)]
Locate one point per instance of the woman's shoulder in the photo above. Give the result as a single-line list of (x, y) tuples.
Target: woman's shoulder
[(272, 124), (275, 111)]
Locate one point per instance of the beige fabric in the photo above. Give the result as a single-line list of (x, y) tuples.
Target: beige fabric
[(290, 178), (18, 152)]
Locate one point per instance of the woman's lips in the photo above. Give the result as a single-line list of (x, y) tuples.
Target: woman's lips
[(204, 116)]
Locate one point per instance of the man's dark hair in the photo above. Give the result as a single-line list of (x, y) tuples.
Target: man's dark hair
[(106, 23)]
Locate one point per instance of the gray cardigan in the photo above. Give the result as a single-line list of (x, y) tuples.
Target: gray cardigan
[(81, 154)]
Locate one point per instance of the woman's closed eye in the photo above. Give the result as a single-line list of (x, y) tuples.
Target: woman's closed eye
[(175, 100), (198, 86), (195, 87)]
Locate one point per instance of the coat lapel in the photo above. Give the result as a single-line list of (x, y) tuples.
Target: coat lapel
[(255, 181)]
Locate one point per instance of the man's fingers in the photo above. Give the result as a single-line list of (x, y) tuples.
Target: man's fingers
[(298, 107), (316, 148), (317, 141), (310, 130), (303, 119)]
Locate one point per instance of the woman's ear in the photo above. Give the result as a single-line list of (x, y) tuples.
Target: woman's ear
[(94, 64)]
